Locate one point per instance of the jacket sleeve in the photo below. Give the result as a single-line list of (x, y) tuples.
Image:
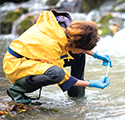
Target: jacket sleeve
[(67, 82)]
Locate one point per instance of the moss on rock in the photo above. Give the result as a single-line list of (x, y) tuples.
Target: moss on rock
[(26, 23), (6, 24), (12, 16), (51, 2), (109, 25)]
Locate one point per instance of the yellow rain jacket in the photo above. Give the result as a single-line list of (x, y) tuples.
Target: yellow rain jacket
[(43, 45)]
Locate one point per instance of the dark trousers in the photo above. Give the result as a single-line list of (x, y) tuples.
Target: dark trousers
[(55, 74), (77, 70)]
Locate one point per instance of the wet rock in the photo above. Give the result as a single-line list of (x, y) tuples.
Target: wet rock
[(7, 23), (79, 5), (26, 23), (15, 1), (12, 16), (69, 5), (104, 23), (5, 27), (52, 2), (88, 5)]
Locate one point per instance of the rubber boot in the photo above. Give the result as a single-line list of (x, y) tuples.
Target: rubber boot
[(16, 91)]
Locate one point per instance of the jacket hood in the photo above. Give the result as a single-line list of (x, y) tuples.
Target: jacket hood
[(48, 24), (45, 40), (62, 17)]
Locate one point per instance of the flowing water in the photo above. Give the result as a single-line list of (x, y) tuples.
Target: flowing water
[(97, 104)]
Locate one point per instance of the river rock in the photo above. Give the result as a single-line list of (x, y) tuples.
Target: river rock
[(26, 23), (7, 23), (15, 1), (5, 27)]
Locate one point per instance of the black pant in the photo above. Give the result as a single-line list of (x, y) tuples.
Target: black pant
[(55, 74), (77, 70)]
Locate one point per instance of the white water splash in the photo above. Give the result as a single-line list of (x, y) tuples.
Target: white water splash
[(112, 45)]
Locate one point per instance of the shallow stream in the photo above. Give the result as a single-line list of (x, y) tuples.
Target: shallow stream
[(97, 104)]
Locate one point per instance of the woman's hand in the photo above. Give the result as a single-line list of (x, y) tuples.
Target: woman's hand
[(99, 83), (106, 59)]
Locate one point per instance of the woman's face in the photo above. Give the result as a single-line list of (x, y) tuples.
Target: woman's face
[(77, 50)]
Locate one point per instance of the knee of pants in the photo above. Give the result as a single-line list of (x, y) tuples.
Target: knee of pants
[(55, 73)]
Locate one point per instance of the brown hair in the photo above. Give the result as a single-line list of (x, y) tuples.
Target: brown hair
[(82, 34)]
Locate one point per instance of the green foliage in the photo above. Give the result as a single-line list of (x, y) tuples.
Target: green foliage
[(105, 31), (104, 21)]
